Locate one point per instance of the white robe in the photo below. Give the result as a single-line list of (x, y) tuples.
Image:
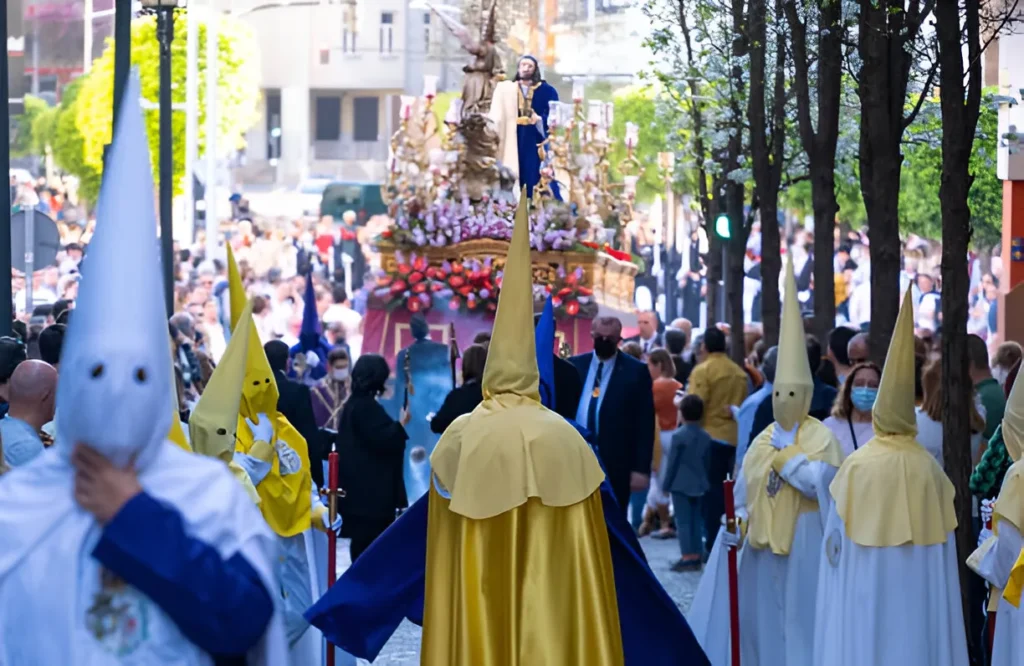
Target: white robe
[(49, 580), (897, 606), (776, 593), (995, 567)]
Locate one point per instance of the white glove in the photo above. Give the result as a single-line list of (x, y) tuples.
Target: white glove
[(312, 360), (987, 507), (731, 539), (781, 439), (983, 536), (333, 527), (263, 431), (255, 468)]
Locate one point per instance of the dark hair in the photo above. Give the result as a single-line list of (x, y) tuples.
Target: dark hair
[(482, 338), (277, 355), (338, 293), (43, 310), (692, 408), (51, 339), (838, 340), (662, 359), (259, 304), (827, 373), (419, 327), (474, 358), (12, 353), (536, 78), (813, 353), (714, 340), (977, 352), (337, 354), (20, 330), (842, 408), (59, 308), (370, 374), (675, 340)]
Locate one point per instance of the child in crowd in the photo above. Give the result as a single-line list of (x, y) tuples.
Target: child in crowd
[(686, 478)]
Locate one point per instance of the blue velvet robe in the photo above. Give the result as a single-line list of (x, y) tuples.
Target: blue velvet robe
[(529, 138), (386, 584), (220, 605)]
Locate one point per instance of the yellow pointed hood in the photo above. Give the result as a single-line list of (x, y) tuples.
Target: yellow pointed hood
[(511, 448), (212, 424), (259, 392), (794, 385), (512, 354), (893, 413), (1013, 420), (177, 433)]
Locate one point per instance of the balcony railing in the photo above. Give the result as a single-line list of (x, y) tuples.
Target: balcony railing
[(349, 149)]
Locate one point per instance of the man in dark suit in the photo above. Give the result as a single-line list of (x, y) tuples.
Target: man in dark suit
[(295, 404), (568, 385), (649, 338), (617, 406)]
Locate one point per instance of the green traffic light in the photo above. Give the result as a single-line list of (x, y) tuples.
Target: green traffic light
[(722, 226)]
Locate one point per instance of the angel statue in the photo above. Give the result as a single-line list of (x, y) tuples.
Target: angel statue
[(478, 83)]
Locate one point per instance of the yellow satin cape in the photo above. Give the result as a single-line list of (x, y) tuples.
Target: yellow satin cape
[(533, 586), (772, 520), (892, 492), (1010, 503), (284, 500), (1016, 583)]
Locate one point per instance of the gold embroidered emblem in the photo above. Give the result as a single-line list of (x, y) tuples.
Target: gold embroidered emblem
[(774, 484)]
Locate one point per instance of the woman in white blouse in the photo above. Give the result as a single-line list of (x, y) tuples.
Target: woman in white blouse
[(850, 421)]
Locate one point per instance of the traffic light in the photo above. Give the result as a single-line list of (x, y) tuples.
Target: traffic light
[(722, 226)]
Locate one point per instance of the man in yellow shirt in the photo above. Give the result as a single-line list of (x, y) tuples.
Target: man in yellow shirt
[(722, 385)]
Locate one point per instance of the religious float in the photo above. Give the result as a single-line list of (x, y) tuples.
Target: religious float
[(452, 191)]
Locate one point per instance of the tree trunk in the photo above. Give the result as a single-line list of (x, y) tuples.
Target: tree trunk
[(735, 251), (885, 33), (960, 110)]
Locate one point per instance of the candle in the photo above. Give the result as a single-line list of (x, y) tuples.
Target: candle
[(667, 161), (554, 114), (632, 135), (595, 113), (630, 185), (406, 109), (578, 87), (430, 86), (454, 115), (601, 135), (609, 114)]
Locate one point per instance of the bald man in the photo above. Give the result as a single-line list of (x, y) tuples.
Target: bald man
[(858, 350), (33, 392)]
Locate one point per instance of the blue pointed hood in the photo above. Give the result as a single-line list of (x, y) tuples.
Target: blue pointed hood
[(544, 335), (309, 335)]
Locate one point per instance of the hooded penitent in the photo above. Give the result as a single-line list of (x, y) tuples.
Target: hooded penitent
[(774, 505), (1009, 506), (116, 397), (891, 491), (310, 340), (517, 487), (285, 491), (214, 422)]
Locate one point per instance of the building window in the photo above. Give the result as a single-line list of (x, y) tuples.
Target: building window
[(328, 118), (365, 118), (387, 32), (273, 115), (426, 32), (348, 41)]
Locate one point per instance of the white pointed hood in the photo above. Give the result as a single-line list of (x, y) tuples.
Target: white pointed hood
[(116, 374)]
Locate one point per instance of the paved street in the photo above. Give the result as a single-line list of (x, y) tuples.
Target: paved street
[(404, 646)]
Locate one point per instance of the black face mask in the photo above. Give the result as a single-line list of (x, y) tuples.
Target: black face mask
[(605, 348)]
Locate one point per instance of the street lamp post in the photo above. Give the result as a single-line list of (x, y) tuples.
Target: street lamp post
[(6, 298), (723, 230), (666, 163), (164, 10)]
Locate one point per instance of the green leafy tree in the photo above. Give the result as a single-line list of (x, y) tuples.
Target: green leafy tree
[(67, 143), (638, 104), (237, 91), (920, 207), (23, 141)]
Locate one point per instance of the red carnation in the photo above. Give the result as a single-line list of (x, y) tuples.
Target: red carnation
[(419, 287), (397, 287), (456, 281), (454, 303), (572, 308), (419, 263), (415, 277), (403, 269), (564, 291), (431, 272), (413, 304)]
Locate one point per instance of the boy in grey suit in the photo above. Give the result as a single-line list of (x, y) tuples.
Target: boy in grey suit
[(686, 477)]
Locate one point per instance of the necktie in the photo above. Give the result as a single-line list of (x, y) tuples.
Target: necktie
[(594, 396)]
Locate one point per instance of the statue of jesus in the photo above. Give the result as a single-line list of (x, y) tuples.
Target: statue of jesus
[(519, 109)]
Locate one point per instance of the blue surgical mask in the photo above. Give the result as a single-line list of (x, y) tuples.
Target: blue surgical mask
[(863, 398)]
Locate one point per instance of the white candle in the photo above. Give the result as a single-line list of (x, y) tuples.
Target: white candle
[(601, 135), (595, 113), (630, 184), (454, 115), (430, 86), (406, 109), (554, 114), (632, 135), (578, 88), (609, 114)]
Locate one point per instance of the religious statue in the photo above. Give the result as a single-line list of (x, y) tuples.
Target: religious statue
[(478, 83), (519, 110)]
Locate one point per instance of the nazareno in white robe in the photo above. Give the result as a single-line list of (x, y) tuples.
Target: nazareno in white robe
[(995, 567), (776, 593), (893, 606)]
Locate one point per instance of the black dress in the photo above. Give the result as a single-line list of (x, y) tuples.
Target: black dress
[(371, 452), (460, 401)]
